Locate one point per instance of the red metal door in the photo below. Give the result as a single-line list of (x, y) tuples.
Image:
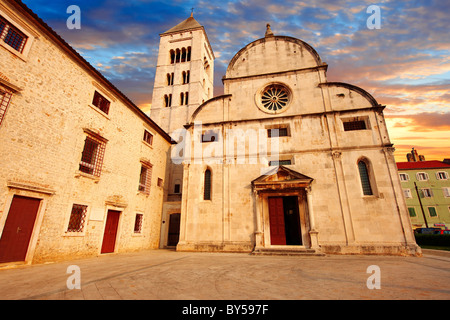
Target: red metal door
[(18, 229), (276, 219), (109, 237)]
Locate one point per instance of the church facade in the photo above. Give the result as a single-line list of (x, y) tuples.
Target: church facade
[(283, 161)]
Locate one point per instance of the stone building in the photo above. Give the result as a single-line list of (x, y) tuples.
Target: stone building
[(83, 168), (282, 161), (426, 188)]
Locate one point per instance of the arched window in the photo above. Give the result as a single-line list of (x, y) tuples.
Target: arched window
[(207, 185), (365, 179), (172, 56), (178, 56), (181, 99), (183, 55), (188, 54)]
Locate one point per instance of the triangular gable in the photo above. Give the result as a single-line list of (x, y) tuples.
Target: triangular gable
[(282, 174)]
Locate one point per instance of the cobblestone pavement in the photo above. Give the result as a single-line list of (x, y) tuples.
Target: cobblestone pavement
[(170, 275)]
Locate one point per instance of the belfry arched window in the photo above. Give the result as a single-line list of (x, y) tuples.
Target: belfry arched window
[(207, 185), (365, 178)]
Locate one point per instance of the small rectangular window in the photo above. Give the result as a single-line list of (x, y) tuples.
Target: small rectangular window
[(160, 182), (432, 211), (422, 176), (280, 163), (92, 156), (138, 223), (77, 218), (354, 125), (404, 176), (5, 97), (442, 175), (145, 178), (412, 212), (101, 102), (277, 132), (176, 188), (427, 193), (148, 137), (407, 193), (446, 192), (12, 36), (210, 136)]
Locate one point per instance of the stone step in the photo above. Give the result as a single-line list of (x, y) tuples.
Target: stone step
[(287, 251)]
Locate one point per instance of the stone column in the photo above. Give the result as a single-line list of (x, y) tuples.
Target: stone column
[(258, 232), (313, 233)]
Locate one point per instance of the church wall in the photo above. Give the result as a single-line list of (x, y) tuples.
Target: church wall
[(43, 136)]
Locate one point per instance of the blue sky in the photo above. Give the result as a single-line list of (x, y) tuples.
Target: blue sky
[(405, 65)]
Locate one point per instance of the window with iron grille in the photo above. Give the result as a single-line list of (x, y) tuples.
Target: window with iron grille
[(138, 223), (280, 163), (148, 137), (11, 35), (5, 97), (277, 132), (101, 102), (355, 125), (207, 185), (77, 218), (145, 178), (365, 181), (92, 156)]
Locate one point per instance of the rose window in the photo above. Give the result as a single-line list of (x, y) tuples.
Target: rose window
[(275, 97)]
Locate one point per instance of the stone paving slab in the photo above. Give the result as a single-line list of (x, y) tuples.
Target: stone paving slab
[(170, 275)]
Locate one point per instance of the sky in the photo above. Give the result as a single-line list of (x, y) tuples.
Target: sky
[(405, 64)]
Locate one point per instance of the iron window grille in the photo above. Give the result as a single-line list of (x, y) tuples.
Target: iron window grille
[(92, 155), (365, 181), (101, 102), (355, 125), (77, 218), (5, 97), (138, 223), (280, 163), (148, 137), (145, 178), (277, 132), (207, 185), (12, 36)]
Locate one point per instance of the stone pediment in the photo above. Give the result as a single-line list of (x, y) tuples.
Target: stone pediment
[(281, 178)]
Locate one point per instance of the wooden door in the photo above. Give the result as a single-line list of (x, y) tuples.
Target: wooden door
[(276, 220), (18, 229), (110, 235), (174, 229)]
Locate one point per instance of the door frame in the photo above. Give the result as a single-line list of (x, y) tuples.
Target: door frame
[(168, 230), (29, 191), (119, 225), (302, 211)]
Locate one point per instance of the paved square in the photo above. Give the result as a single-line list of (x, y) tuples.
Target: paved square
[(170, 275)]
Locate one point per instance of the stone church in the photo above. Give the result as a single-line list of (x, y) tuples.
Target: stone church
[(284, 162)]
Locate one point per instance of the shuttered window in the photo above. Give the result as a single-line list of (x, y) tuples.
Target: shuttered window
[(365, 181)]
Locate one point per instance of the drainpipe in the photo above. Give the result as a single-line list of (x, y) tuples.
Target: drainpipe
[(421, 206)]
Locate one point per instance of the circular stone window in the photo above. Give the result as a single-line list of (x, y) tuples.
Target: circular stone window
[(274, 98)]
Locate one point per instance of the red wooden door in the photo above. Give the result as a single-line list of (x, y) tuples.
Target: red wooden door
[(110, 235), (276, 219), (18, 229)]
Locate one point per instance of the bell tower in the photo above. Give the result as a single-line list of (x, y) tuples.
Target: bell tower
[(184, 74), (183, 81)]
